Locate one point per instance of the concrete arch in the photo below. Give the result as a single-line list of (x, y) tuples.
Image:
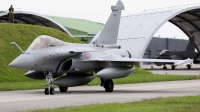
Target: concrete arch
[(137, 30), (35, 19)]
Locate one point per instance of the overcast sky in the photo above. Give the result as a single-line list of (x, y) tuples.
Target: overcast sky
[(94, 10)]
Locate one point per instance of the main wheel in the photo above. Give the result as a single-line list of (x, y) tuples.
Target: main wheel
[(164, 68), (46, 91), (52, 91), (173, 67), (189, 66), (108, 85), (63, 89)]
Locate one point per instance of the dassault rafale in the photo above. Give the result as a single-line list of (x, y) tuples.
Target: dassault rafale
[(49, 58)]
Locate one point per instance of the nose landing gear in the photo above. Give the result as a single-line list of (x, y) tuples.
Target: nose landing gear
[(50, 90)]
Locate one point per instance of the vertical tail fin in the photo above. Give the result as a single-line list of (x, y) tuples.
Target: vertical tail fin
[(191, 46), (110, 31)]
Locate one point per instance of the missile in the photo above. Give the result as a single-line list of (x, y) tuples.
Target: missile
[(115, 72), (73, 80), (184, 62)]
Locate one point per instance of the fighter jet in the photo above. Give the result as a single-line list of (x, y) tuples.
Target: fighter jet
[(48, 58), (180, 55)]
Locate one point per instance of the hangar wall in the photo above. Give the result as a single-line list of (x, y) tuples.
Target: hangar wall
[(156, 45), (137, 30)]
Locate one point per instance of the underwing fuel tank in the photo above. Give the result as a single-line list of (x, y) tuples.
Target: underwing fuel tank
[(115, 72), (73, 80)]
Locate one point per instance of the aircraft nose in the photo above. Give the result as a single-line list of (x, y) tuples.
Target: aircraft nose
[(21, 62)]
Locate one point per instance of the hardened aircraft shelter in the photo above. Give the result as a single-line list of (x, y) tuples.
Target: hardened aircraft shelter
[(81, 29), (137, 30), (26, 17)]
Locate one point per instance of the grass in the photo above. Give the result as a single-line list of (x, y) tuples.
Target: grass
[(172, 104), (23, 35), (12, 86)]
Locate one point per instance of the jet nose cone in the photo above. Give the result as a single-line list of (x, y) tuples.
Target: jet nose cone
[(21, 62)]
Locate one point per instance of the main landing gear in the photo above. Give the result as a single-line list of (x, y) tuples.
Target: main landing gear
[(173, 67), (188, 67), (107, 84), (63, 89), (49, 79), (164, 67)]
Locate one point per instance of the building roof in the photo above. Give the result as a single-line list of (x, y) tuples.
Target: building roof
[(72, 26), (33, 18), (79, 27)]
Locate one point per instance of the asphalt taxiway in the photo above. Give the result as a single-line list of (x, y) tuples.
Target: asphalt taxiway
[(84, 95)]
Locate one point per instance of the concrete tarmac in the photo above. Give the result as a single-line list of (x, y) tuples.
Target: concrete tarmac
[(11, 101), (181, 67), (176, 72), (180, 70)]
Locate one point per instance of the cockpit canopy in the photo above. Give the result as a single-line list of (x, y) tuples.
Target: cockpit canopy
[(43, 41)]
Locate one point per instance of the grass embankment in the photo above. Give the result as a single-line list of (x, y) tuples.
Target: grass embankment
[(23, 35), (174, 104), (14, 79)]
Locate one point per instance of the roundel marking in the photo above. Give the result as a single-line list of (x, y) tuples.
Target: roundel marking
[(87, 54)]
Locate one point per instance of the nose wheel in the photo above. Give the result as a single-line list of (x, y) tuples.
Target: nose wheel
[(49, 89), (52, 91)]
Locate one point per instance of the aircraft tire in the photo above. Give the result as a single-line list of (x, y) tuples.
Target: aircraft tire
[(46, 91), (173, 67), (189, 66), (108, 85), (63, 89), (52, 91), (164, 68)]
